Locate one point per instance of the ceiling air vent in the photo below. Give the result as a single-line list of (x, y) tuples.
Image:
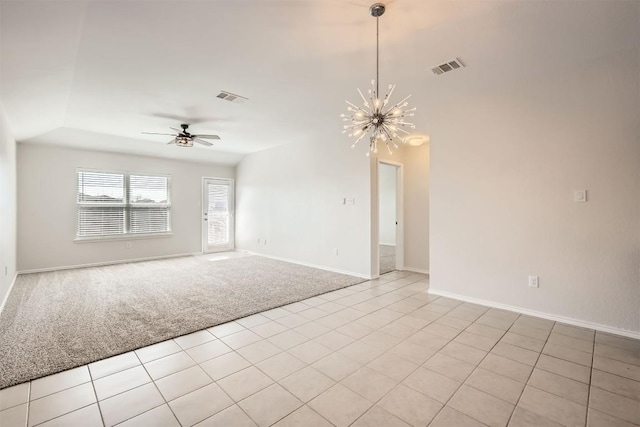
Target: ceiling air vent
[(231, 97), (448, 66)]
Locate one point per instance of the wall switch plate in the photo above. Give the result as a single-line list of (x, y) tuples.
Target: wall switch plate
[(580, 195), (335, 251), (534, 282)]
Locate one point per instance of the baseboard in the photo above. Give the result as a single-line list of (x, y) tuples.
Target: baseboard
[(554, 317), (415, 270), (387, 244), (100, 264), (306, 264), (6, 296)]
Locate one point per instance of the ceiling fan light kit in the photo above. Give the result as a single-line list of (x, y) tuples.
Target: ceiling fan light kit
[(384, 122)]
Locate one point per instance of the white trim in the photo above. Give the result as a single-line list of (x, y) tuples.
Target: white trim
[(6, 297), (415, 270), (549, 316), (387, 244), (306, 264), (100, 264)]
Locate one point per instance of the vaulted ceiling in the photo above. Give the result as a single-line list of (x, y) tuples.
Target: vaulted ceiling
[(95, 74)]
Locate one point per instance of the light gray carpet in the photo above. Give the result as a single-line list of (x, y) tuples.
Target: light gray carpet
[(59, 320), (387, 258)]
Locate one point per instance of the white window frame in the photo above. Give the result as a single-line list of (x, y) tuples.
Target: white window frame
[(127, 235)]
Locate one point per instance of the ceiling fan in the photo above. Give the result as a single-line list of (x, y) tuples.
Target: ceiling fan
[(185, 139)]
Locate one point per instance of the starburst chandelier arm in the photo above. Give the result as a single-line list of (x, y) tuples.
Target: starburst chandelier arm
[(358, 140), (387, 96), (403, 131), (357, 109), (364, 99), (386, 132), (399, 105), (359, 125)]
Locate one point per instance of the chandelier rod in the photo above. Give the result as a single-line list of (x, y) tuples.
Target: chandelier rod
[(377, 57)]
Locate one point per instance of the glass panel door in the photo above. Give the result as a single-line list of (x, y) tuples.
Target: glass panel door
[(218, 224)]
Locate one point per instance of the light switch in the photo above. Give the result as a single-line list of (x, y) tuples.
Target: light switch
[(580, 196)]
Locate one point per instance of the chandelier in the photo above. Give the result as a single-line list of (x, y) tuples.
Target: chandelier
[(376, 117)]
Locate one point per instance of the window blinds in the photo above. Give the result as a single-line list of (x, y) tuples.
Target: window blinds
[(149, 204), (218, 214), (118, 203), (101, 204)]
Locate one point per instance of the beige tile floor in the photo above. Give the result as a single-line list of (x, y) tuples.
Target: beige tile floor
[(381, 353)]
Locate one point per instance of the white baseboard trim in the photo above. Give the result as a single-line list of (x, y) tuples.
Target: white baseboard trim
[(100, 264), (415, 270), (554, 317), (387, 244), (306, 264), (6, 297)]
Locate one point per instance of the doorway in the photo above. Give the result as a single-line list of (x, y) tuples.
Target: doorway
[(218, 215), (389, 216)]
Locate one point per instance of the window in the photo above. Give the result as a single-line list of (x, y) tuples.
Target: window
[(117, 203)]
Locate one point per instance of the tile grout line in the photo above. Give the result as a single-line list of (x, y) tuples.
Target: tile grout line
[(93, 386), (593, 355), (357, 340), (417, 368), (533, 368), (62, 415), (156, 386), (333, 352), (28, 404), (462, 383)]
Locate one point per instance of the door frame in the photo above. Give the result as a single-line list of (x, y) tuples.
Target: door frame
[(204, 232), (375, 223)]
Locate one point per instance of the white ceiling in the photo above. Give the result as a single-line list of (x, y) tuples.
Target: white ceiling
[(96, 74)]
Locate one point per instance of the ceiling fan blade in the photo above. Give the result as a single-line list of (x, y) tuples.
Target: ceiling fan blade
[(156, 133), (207, 136), (203, 142), (173, 141), (177, 130)]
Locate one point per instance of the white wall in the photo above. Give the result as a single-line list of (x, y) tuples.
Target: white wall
[(503, 171), (47, 206), (8, 205), (291, 197), (387, 204), (415, 166)]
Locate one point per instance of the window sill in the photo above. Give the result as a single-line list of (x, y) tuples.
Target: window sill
[(93, 239)]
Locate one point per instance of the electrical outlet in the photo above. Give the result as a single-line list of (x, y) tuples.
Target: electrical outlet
[(128, 245), (534, 282)]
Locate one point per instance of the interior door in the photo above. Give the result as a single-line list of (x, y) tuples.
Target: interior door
[(218, 215)]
